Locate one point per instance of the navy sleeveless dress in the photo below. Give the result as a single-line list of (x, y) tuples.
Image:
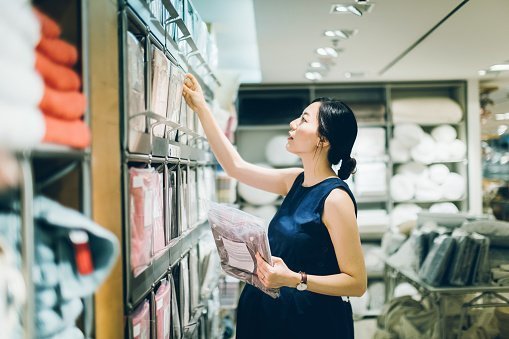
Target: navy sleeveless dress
[(298, 235)]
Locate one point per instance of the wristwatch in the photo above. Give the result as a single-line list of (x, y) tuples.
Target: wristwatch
[(303, 285)]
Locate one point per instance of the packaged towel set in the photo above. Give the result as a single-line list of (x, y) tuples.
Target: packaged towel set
[(238, 237)]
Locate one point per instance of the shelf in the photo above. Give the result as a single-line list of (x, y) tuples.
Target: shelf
[(50, 151), (371, 199), (462, 161), (361, 124), (367, 236), (142, 284), (376, 275), (415, 201), (162, 148), (456, 124)]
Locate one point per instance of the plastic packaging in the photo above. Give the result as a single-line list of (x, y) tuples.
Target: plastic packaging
[(162, 299), (238, 237), (141, 322), (436, 264)]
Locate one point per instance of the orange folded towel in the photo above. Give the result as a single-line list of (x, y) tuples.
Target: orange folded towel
[(59, 77), (73, 133), (63, 105), (49, 27), (58, 50)]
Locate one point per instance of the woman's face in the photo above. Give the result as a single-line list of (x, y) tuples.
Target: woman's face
[(303, 135)]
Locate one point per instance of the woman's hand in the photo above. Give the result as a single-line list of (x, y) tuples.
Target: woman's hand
[(275, 276), (193, 94)]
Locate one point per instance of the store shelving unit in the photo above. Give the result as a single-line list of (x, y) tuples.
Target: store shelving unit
[(180, 150)]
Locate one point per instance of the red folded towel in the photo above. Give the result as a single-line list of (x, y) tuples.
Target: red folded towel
[(73, 133), (49, 27), (63, 105), (59, 77), (58, 50)]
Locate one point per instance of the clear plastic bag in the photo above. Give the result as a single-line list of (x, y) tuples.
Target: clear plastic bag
[(238, 237)]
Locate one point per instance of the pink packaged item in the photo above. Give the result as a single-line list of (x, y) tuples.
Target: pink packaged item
[(162, 299), (141, 322), (141, 216)]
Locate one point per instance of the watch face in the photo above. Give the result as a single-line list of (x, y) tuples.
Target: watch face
[(302, 287)]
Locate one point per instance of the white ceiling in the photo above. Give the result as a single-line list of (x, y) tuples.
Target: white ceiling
[(279, 38)]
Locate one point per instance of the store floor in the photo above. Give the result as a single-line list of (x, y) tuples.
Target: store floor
[(365, 328)]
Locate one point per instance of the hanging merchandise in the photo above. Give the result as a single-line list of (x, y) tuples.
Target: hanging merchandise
[(185, 296), (173, 205), (163, 302), (146, 216), (160, 81), (175, 87), (238, 237), (194, 281), (141, 322), (136, 87), (176, 327)]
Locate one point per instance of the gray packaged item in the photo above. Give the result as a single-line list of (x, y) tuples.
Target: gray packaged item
[(238, 237), (437, 261), (480, 273), (462, 259), (160, 83)]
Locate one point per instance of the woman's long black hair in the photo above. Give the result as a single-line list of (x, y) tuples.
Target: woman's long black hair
[(337, 123)]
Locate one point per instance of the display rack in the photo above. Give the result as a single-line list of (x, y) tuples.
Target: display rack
[(484, 295), (179, 150)]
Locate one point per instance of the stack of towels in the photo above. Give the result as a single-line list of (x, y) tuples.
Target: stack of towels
[(411, 142), (426, 183), (40, 97)]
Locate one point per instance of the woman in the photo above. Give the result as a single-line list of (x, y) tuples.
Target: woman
[(313, 238)]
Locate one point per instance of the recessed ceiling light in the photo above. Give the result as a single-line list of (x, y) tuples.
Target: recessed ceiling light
[(316, 64), (327, 51), (481, 72), (499, 67), (313, 75), (358, 8), (349, 75), (339, 33)]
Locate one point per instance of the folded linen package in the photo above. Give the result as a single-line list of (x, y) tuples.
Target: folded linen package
[(426, 110)]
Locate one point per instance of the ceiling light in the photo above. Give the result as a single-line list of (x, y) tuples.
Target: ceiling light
[(313, 76), (354, 10), (499, 68), (349, 75), (481, 72), (358, 8), (339, 33), (327, 51), (316, 64)]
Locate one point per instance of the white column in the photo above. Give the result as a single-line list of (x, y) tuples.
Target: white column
[(474, 147)]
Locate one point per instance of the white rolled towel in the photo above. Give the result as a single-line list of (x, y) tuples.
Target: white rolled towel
[(457, 150), (403, 213), (402, 187), (424, 151), (398, 152), (416, 170), (442, 152), (408, 134), (21, 127), (370, 142), (405, 289), (444, 133), (277, 154), (427, 190), (453, 187), (438, 173), (20, 84), (443, 207)]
